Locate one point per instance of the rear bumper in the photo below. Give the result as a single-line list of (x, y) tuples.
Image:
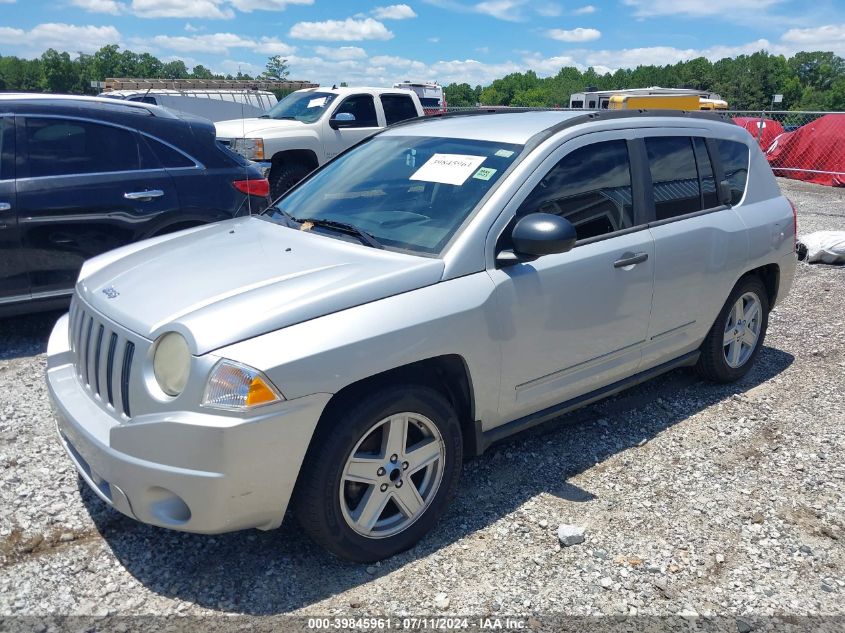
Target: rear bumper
[(195, 472)]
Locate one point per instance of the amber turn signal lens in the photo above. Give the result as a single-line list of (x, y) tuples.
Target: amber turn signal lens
[(259, 393)]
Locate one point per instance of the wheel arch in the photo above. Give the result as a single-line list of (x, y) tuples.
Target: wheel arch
[(305, 157), (447, 374), (769, 274)]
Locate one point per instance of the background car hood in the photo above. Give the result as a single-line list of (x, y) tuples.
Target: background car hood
[(244, 128), (234, 280)]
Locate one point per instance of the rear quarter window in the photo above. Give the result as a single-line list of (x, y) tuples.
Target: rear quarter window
[(735, 157)]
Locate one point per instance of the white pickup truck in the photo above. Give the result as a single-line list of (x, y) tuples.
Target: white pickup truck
[(309, 127)]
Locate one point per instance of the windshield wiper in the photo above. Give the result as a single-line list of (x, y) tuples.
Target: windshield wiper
[(351, 229), (291, 221)]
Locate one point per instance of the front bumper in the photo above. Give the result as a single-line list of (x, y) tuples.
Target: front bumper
[(190, 471)]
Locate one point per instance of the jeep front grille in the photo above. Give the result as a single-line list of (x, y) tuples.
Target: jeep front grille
[(102, 357)]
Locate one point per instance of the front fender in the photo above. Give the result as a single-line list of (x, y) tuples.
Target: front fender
[(331, 352)]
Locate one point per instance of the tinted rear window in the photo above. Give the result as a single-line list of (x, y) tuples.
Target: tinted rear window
[(398, 108), (673, 175), (59, 147), (734, 157), (167, 156)]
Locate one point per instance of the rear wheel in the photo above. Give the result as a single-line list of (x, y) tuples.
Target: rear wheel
[(732, 345), (381, 473), (285, 175)]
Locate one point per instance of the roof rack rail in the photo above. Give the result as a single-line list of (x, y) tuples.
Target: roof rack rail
[(594, 115)]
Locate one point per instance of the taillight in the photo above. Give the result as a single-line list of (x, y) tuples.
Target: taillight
[(258, 187), (794, 223)]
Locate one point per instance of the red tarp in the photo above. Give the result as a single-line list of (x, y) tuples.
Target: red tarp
[(771, 129), (817, 149)]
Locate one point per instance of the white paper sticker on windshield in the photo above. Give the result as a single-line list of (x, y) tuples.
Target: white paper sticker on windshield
[(317, 103), (450, 169), (504, 153)]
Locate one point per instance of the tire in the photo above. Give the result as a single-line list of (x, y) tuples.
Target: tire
[(721, 360), (327, 503), (285, 175)]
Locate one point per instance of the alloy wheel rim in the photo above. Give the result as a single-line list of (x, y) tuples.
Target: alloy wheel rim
[(742, 330), (392, 475)]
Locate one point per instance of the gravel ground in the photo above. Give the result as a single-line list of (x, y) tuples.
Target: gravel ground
[(695, 499)]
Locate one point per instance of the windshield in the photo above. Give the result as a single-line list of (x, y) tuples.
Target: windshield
[(430, 102), (410, 193), (302, 106)]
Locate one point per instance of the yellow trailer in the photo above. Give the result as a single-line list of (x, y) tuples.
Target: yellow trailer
[(654, 102), (713, 104)]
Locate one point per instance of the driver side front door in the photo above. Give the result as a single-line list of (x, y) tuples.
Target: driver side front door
[(575, 322)]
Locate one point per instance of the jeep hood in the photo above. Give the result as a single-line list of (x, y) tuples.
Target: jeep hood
[(246, 128), (227, 282)]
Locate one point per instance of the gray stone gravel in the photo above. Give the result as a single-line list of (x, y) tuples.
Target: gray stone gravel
[(696, 499)]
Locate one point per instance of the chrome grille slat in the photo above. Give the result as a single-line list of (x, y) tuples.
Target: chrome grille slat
[(98, 348), (116, 373), (124, 378), (110, 367), (87, 350)]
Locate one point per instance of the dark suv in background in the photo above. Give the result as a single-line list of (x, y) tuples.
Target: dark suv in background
[(80, 176)]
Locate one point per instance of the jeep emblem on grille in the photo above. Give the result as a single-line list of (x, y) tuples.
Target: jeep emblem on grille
[(110, 292)]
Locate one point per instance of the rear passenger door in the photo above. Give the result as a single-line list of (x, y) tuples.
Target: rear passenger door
[(14, 282), (82, 190), (699, 243), (363, 108)]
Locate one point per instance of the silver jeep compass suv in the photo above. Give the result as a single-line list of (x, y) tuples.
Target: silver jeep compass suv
[(437, 287)]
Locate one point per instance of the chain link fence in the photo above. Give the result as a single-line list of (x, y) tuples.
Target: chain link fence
[(807, 146)]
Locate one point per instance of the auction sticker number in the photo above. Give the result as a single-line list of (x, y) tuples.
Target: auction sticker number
[(449, 169)]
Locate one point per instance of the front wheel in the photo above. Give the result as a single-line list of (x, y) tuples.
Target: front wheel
[(382, 473), (285, 175), (732, 345)]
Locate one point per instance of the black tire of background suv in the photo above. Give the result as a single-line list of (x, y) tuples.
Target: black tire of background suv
[(316, 502), (712, 364), (285, 175)]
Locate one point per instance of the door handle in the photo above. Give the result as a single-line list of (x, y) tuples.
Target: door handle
[(144, 196), (630, 259), (5, 206)]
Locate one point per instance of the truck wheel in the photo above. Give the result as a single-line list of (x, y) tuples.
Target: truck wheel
[(381, 474), (732, 345), (285, 175)]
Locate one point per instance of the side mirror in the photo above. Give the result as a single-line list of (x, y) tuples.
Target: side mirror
[(725, 192), (342, 119), (539, 234)]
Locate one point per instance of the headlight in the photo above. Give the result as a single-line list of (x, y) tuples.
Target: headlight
[(251, 148), (171, 363), (238, 387)]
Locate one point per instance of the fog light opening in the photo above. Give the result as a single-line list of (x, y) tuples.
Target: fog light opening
[(167, 506)]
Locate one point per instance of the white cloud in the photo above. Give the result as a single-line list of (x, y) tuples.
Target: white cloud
[(98, 6), (830, 37), (190, 28), (509, 10), (394, 12), (341, 53), (207, 9), (548, 10), (211, 43), (248, 6), (433, 40), (220, 43), (348, 30), (699, 8), (7, 2), (585, 10), (232, 67), (273, 46), (574, 35), (62, 37)]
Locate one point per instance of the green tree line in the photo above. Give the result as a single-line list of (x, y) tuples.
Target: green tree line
[(807, 81), (60, 73)]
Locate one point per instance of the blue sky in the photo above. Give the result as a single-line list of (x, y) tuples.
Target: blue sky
[(378, 43)]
